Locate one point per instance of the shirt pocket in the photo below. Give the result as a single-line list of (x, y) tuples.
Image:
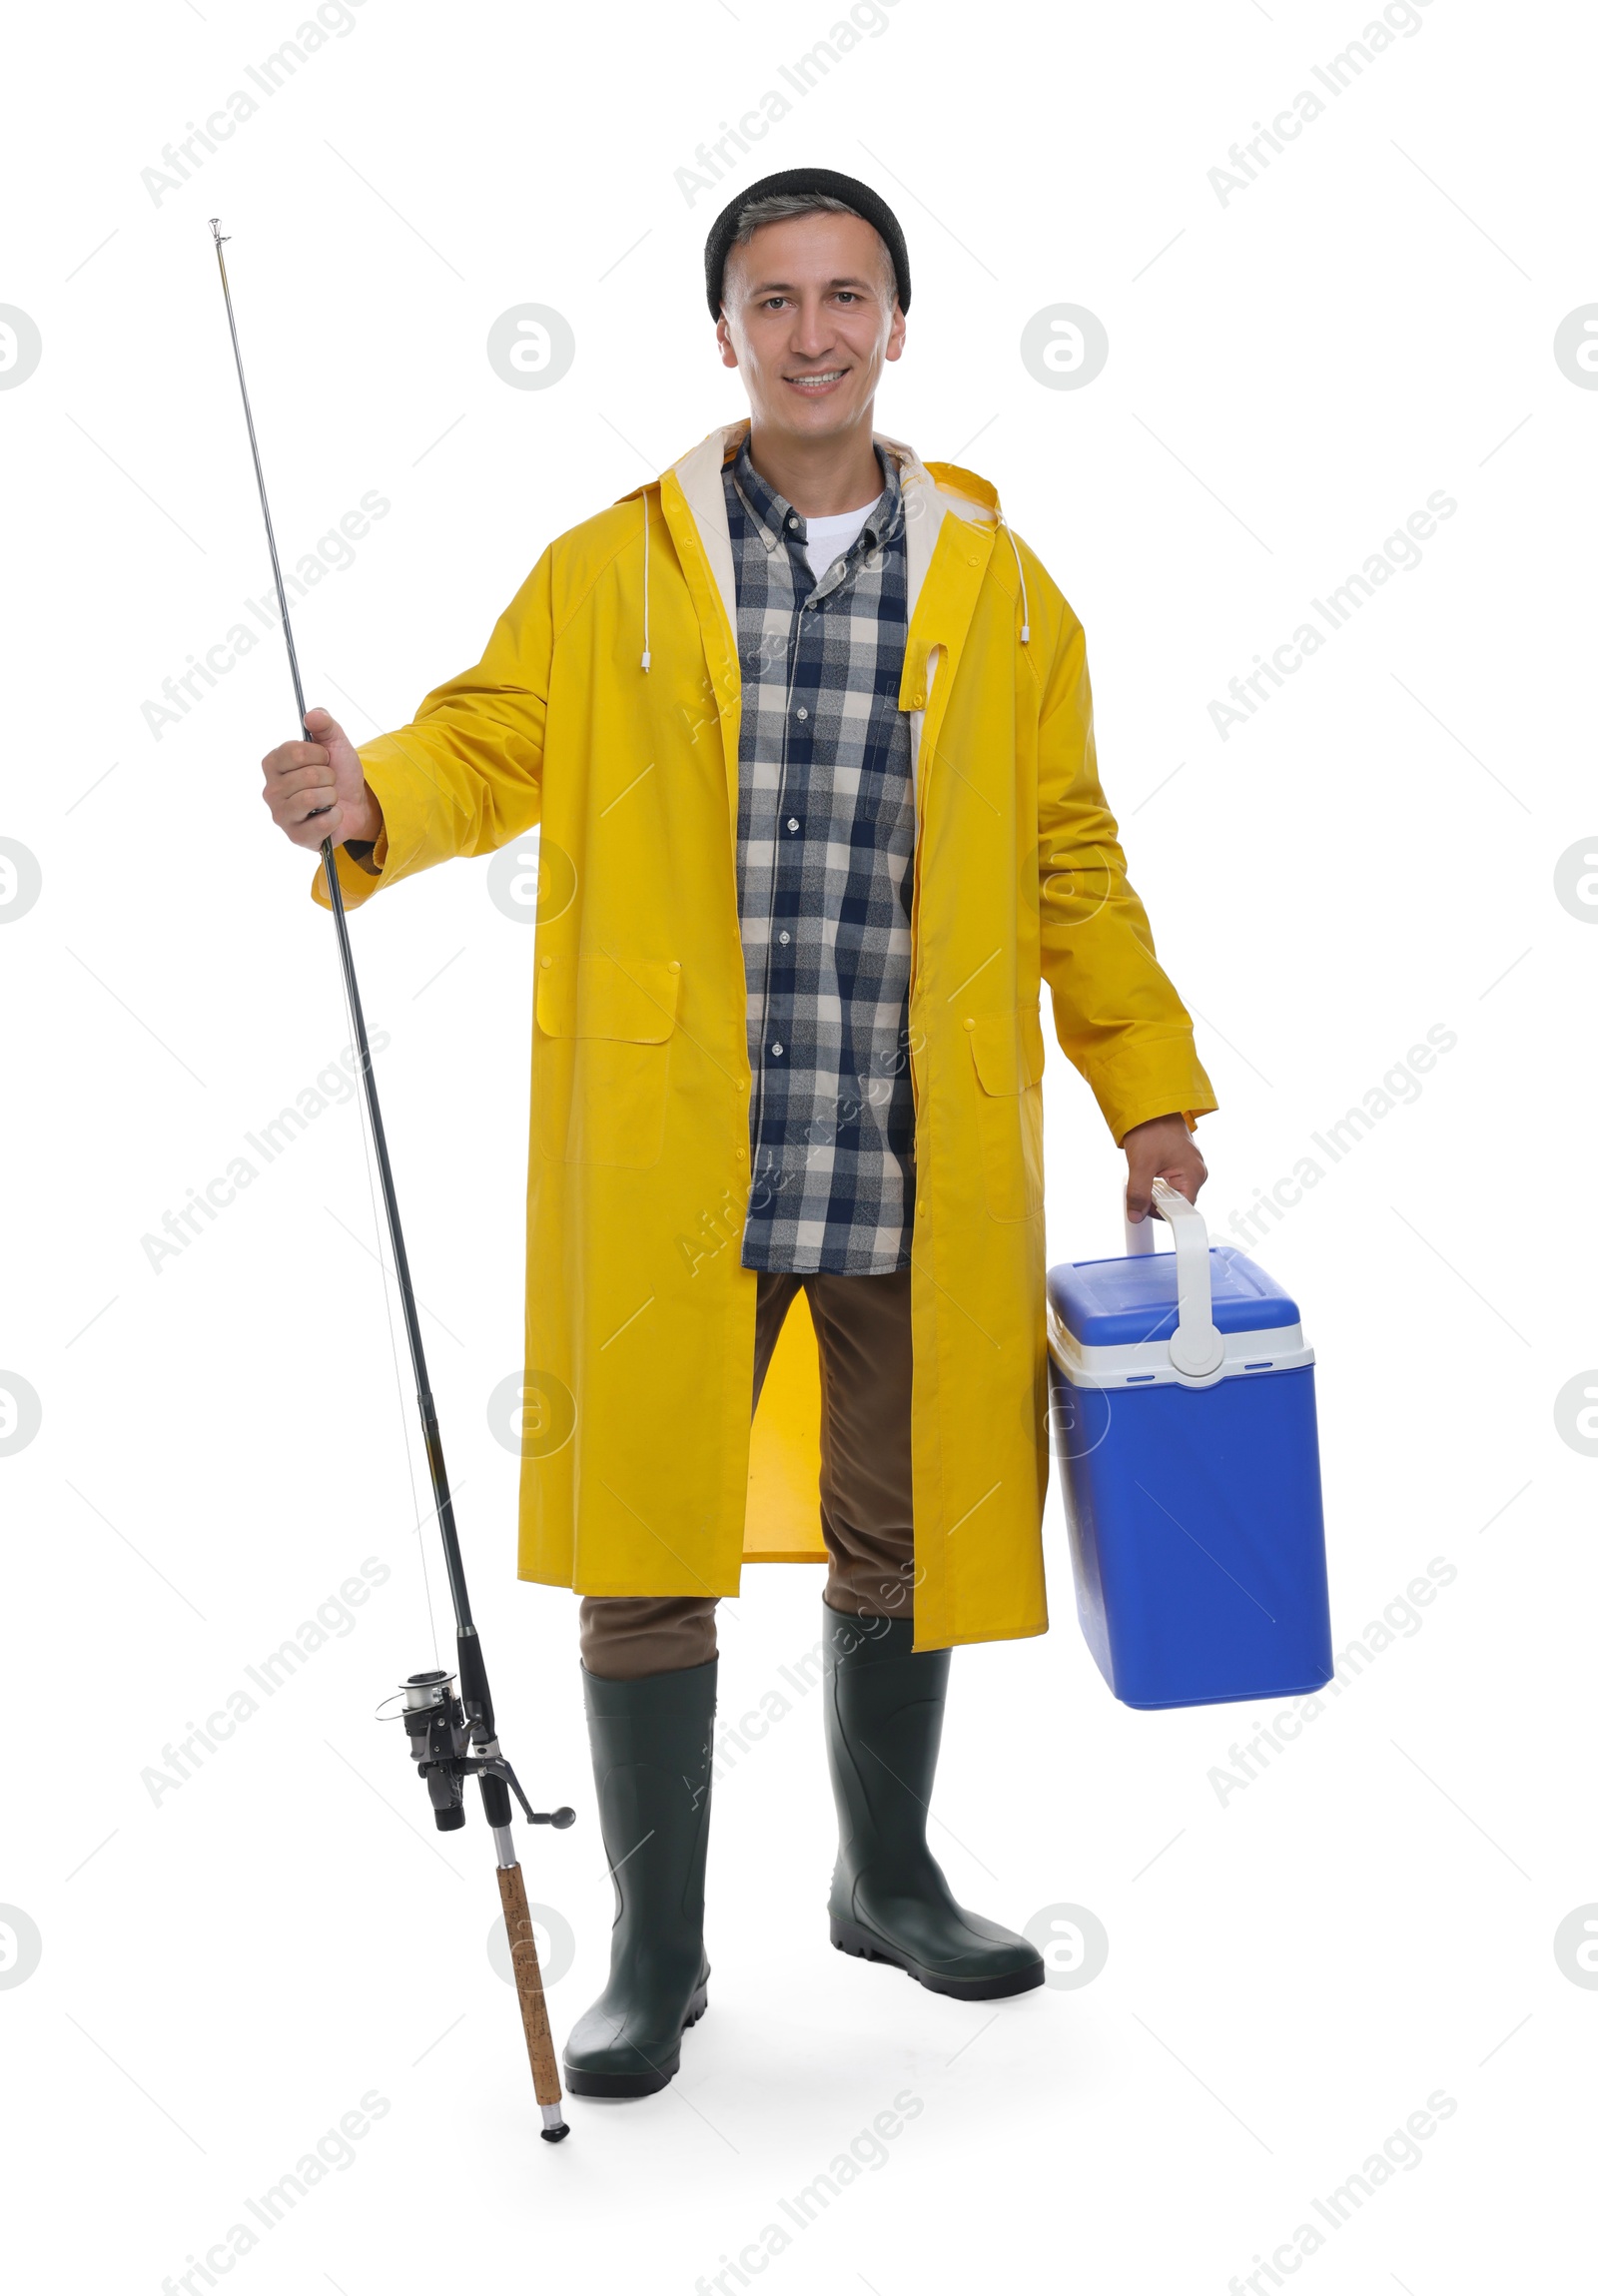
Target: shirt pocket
[(1007, 1065), (602, 1052)]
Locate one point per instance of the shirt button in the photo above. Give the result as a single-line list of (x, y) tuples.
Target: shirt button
[(804, 714), (777, 1051), (792, 824), (783, 938), (794, 523)]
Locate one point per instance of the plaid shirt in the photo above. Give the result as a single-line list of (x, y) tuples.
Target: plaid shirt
[(826, 830)]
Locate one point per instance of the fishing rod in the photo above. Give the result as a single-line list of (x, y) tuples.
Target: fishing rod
[(452, 1732)]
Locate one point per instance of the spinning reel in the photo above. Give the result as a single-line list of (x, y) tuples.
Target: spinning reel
[(440, 1734)]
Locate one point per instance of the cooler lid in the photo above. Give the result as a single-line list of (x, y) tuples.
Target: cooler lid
[(1118, 1302)]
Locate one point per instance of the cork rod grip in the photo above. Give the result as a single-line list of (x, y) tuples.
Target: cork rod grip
[(529, 1985)]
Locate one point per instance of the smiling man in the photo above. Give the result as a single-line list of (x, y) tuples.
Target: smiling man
[(809, 734)]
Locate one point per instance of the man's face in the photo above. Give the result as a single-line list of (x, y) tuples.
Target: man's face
[(808, 316)]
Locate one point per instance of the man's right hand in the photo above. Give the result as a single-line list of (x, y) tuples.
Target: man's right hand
[(316, 789)]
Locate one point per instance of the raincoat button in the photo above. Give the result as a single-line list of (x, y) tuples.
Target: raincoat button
[(546, 960), (674, 966), (971, 1024)]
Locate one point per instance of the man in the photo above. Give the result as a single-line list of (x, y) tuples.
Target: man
[(809, 734)]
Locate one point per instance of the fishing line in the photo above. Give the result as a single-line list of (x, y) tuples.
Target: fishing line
[(351, 996), (417, 1517)]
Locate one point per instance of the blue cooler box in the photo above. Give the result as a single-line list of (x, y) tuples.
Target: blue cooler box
[(1183, 1417)]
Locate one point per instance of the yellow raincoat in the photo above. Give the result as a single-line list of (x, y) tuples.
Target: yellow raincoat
[(606, 707)]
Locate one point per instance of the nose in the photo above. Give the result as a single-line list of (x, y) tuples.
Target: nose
[(812, 331)]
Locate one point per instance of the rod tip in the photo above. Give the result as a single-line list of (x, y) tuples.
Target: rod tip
[(217, 233)]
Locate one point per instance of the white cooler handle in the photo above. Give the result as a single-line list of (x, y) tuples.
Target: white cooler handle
[(1139, 1237), (1197, 1348)]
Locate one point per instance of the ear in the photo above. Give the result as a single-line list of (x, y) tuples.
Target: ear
[(896, 333), (729, 358)]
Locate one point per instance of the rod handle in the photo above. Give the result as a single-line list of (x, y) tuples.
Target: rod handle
[(529, 1991)]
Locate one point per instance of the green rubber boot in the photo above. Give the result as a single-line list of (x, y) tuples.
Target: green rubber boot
[(890, 1901), (650, 1741)]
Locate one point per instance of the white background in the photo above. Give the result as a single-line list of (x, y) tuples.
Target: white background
[(1291, 1971)]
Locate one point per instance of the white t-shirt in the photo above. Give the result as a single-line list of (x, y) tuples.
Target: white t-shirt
[(830, 538)]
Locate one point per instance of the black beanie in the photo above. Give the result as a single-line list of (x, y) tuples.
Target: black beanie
[(855, 195)]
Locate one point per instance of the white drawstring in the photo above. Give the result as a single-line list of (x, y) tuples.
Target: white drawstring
[(1026, 630)]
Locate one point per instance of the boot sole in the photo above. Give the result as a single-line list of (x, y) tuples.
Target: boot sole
[(850, 1939), (651, 2081)]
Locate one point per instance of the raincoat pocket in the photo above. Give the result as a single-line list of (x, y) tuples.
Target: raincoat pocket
[(1007, 1056), (602, 1047)]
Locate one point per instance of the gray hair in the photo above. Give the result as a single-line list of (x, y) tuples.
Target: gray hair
[(785, 206)]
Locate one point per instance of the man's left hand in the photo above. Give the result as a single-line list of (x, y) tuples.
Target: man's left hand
[(1162, 1149)]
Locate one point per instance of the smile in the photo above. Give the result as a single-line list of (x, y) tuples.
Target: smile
[(816, 382)]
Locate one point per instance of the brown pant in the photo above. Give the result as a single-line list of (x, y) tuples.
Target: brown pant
[(863, 1337)]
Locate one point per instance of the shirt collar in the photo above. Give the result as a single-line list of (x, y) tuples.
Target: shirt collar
[(779, 521)]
